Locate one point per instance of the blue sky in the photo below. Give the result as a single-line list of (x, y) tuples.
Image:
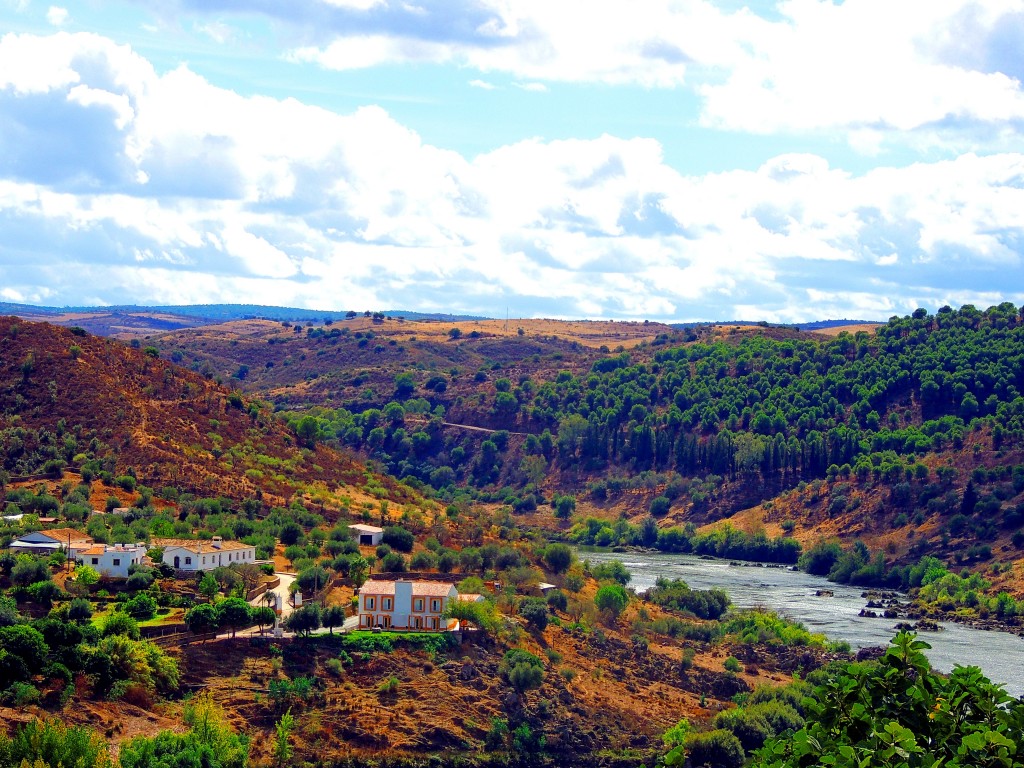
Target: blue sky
[(667, 159)]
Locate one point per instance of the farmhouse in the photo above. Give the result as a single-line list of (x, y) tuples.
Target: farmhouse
[(112, 561), (198, 555), (46, 542), (406, 604), (367, 535)]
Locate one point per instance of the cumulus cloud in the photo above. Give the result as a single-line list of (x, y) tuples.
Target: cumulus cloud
[(177, 190), (57, 16)]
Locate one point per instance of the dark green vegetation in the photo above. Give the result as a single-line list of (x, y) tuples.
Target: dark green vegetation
[(769, 412), (893, 711)]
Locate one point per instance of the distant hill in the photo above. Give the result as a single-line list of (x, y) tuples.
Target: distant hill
[(68, 398), (218, 313)]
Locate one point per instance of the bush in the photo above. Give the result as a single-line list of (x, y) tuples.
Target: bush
[(535, 611), (612, 598), (398, 538), (118, 623), (719, 748), (660, 506), (141, 607), (558, 557), (732, 664), (557, 600)]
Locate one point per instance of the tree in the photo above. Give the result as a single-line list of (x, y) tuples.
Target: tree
[(312, 579), (333, 616), (522, 670), (29, 570), (201, 619), (564, 506), (282, 738), (79, 609), (455, 334), (263, 616), (234, 614), (291, 532), (304, 620), (558, 557), (208, 586), (612, 598), (535, 611), (483, 615), (120, 624), (399, 538)]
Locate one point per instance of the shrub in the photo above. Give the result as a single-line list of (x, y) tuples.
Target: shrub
[(535, 611), (398, 538), (558, 557), (557, 600), (612, 598), (719, 748), (141, 607), (732, 664)]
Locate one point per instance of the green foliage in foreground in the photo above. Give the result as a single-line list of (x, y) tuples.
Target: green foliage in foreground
[(54, 743), (899, 713)]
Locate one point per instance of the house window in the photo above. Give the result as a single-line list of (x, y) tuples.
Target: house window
[(117, 561), (188, 561), (435, 606), (95, 561), (385, 620), (369, 603), (417, 604), (385, 603)]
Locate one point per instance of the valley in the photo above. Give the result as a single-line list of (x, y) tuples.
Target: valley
[(885, 457)]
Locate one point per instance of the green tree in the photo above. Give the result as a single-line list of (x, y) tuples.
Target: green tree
[(612, 598), (86, 575), (202, 619), (535, 611), (209, 586), (333, 616), (234, 614), (558, 557), (282, 738), (304, 620)]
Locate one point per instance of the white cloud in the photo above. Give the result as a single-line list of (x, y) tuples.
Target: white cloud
[(483, 84), (196, 193), (865, 66), (57, 16), (536, 87)]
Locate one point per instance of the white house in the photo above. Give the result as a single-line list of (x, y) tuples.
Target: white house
[(198, 555), (47, 542), (367, 535), (406, 604), (114, 560)]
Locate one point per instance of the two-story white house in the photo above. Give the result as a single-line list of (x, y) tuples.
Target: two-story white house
[(112, 561), (199, 555), (405, 604)]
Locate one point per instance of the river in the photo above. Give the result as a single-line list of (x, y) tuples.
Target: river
[(792, 594)]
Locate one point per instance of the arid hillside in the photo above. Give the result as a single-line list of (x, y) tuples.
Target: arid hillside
[(69, 399)]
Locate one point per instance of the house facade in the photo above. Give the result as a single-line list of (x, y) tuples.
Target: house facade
[(112, 561), (367, 535), (47, 542), (188, 555), (406, 605)]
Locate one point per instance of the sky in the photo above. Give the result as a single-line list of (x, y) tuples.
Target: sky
[(673, 160)]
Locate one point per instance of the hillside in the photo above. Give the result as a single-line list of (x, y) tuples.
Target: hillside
[(70, 399), (873, 435)]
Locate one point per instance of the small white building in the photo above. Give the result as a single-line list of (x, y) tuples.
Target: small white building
[(113, 561), (198, 555), (406, 605), (47, 542), (367, 535)]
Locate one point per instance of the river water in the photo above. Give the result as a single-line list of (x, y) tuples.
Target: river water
[(1000, 655)]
